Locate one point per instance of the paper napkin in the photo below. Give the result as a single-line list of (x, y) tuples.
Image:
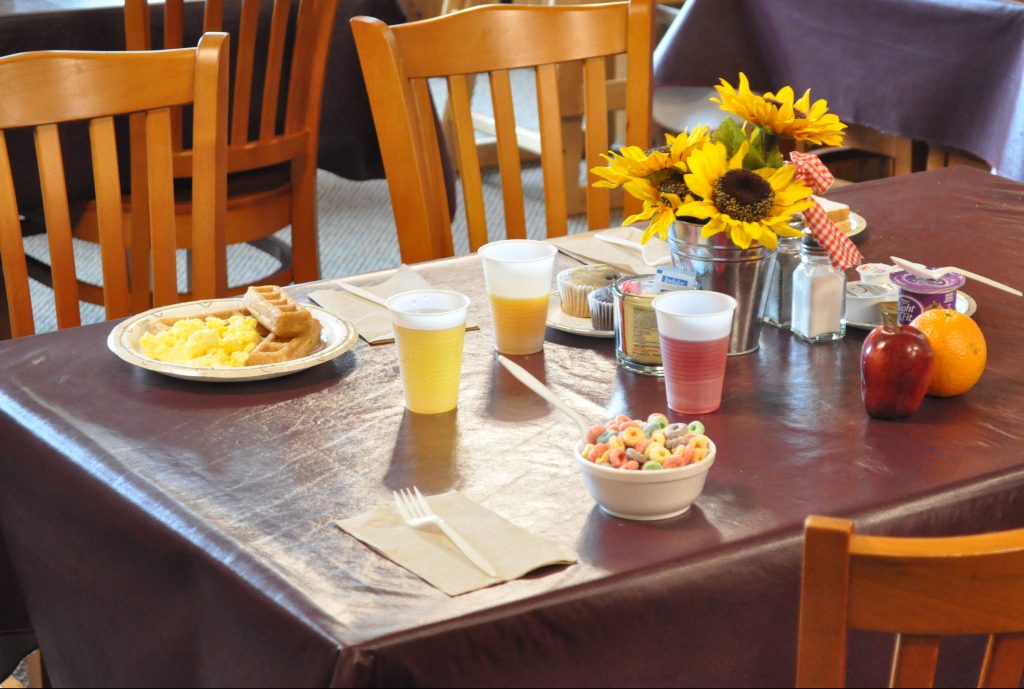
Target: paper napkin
[(588, 248), (372, 321), (429, 554)]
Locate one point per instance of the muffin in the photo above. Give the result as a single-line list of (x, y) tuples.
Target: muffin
[(575, 284), (602, 314)]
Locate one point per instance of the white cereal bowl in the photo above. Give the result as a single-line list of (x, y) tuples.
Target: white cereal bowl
[(645, 495)]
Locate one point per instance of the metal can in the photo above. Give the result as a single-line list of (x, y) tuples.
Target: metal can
[(637, 346)]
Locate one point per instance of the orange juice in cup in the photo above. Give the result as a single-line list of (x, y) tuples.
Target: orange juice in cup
[(430, 326), (517, 273)]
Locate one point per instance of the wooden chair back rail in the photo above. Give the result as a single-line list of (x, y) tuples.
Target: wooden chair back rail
[(397, 62), (919, 589), (95, 87)]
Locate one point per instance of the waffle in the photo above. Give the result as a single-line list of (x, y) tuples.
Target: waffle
[(275, 349), (277, 312)]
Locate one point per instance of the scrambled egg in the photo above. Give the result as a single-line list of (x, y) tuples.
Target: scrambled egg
[(195, 342)]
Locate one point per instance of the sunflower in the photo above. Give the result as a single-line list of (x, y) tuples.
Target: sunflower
[(632, 162), (780, 114), (659, 207), (748, 204)]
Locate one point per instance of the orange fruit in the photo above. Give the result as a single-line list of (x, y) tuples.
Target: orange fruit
[(960, 350)]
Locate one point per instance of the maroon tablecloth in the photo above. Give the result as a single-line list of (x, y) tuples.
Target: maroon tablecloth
[(348, 140), (160, 531), (950, 72)]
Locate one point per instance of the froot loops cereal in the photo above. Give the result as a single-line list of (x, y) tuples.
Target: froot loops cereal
[(651, 445)]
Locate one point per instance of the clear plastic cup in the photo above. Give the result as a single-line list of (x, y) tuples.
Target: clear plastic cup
[(517, 273), (694, 327), (430, 326)]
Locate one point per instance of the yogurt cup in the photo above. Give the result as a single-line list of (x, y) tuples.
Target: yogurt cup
[(918, 294)]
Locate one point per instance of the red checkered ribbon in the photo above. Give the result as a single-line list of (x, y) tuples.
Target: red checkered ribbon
[(814, 174)]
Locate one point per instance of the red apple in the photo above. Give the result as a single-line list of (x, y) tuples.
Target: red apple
[(895, 369)]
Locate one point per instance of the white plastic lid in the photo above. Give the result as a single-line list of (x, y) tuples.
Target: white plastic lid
[(875, 273), (694, 315), (518, 268), (428, 309)]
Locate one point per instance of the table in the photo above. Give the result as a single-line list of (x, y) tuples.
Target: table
[(155, 530), (348, 140), (947, 72)]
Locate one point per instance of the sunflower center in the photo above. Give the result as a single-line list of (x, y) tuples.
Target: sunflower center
[(673, 184), (743, 195)]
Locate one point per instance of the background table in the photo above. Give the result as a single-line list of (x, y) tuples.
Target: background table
[(948, 72), (156, 530)]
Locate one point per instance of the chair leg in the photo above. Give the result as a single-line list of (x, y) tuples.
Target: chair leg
[(305, 257), (37, 676), (5, 314)]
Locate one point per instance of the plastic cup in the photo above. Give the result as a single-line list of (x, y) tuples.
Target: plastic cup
[(694, 327), (517, 273), (430, 326)]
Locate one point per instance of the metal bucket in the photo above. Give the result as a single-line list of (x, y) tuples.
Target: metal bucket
[(720, 266)]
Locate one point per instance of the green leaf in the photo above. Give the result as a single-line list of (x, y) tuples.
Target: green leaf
[(754, 159), (730, 134), (775, 159)]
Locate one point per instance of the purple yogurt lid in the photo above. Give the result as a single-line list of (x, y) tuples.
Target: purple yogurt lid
[(920, 285)]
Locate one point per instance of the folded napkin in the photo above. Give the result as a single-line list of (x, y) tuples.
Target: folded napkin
[(429, 554), (372, 321), (588, 248)]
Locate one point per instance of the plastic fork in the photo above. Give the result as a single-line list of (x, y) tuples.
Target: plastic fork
[(936, 273), (415, 512)]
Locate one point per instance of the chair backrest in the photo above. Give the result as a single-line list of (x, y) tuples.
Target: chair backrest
[(493, 39), (44, 89), (918, 588), (257, 138)]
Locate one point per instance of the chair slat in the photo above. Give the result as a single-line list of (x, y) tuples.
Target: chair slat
[(595, 97), (213, 16), (552, 161), (638, 100), (58, 225), (275, 65), (508, 155), (174, 24), (109, 217), (246, 53), (469, 161), (12, 251), (1004, 661), (825, 578), (435, 173), (162, 235), (914, 661)]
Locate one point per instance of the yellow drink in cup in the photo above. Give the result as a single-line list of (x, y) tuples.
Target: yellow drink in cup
[(515, 330), (517, 273), (430, 326)]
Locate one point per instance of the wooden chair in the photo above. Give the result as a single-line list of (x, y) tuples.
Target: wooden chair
[(271, 163), (493, 39), (44, 89), (918, 588)]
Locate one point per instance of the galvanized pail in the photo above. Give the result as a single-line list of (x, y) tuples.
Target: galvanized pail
[(720, 266)]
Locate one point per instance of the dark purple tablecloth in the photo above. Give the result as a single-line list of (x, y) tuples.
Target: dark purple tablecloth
[(159, 531), (949, 72), (348, 140)]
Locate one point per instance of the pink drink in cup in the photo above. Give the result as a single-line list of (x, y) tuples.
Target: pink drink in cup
[(694, 327)]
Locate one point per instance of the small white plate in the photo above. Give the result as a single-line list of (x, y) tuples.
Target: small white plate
[(857, 225), (337, 337), (560, 320), (965, 304)]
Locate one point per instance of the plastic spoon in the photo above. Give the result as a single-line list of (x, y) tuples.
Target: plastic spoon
[(362, 293), (527, 379), (642, 248), (936, 273)]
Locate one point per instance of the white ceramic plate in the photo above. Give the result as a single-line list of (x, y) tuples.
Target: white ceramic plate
[(337, 337), (857, 225), (965, 304), (560, 320)]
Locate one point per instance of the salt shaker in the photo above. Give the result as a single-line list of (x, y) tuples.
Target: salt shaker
[(819, 295), (778, 303)]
